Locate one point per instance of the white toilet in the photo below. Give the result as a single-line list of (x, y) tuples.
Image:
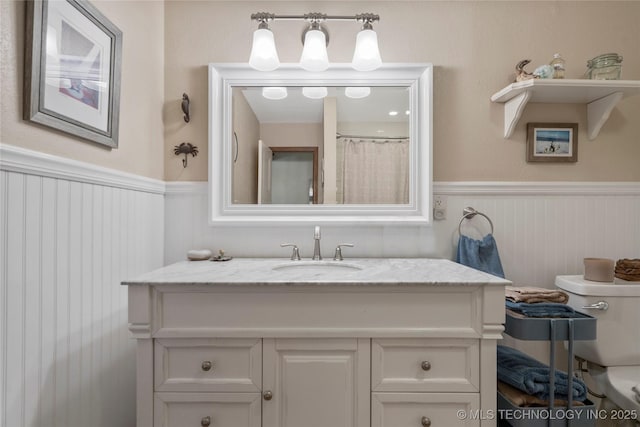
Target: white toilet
[(614, 357)]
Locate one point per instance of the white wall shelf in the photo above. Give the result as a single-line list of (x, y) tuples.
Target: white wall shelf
[(601, 96)]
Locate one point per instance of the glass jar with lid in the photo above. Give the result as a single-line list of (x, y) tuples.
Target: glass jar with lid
[(604, 67), (558, 66)]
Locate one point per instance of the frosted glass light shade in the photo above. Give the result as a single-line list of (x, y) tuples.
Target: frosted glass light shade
[(264, 56), (314, 53), (315, 92), (274, 92), (366, 57), (357, 92)]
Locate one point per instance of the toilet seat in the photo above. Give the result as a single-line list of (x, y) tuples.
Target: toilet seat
[(616, 382)]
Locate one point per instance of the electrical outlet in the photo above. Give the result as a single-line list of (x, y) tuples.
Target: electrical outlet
[(439, 207)]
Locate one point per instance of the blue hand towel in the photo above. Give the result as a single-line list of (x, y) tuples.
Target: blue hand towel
[(527, 374), (480, 254), (541, 309)]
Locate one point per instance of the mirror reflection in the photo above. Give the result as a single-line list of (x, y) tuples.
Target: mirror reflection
[(320, 145)]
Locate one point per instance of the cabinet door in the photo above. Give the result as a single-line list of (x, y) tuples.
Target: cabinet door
[(424, 409), (316, 382), (207, 410)]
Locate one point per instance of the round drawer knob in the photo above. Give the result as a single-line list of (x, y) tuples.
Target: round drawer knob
[(205, 422), (425, 365), (206, 365), (426, 422), (267, 395)]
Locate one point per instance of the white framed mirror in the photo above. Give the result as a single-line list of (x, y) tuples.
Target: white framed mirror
[(339, 146)]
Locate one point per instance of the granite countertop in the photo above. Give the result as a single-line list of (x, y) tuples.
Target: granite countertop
[(274, 271)]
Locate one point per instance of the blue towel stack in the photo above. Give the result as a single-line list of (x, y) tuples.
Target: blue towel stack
[(531, 376), (541, 309)]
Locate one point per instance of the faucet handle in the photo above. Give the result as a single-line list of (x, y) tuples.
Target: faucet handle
[(338, 255), (316, 232), (295, 254)]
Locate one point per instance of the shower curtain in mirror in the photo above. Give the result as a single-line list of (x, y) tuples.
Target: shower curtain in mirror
[(375, 171)]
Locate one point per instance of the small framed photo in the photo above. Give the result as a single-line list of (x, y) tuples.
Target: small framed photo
[(72, 69), (552, 142)]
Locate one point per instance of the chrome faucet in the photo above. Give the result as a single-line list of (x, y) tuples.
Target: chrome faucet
[(338, 254), (295, 254), (316, 247)]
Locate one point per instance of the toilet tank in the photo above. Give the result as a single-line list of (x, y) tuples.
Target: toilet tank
[(618, 327)]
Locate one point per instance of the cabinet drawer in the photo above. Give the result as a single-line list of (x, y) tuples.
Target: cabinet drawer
[(225, 365), (437, 409), (450, 365), (207, 409)]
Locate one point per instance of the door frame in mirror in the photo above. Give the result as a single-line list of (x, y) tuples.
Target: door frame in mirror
[(418, 78)]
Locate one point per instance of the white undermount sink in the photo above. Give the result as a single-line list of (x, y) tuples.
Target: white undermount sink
[(316, 267)]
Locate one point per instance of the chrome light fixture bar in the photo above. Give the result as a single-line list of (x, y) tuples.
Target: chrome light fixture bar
[(315, 38)]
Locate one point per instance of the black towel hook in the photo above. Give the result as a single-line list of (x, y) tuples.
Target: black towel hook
[(185, 148), (185, 107)]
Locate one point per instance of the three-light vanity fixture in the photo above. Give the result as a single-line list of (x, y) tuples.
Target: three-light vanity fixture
[(315, 38)]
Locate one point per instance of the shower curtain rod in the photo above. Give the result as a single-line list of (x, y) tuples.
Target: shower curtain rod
[(339, 135)]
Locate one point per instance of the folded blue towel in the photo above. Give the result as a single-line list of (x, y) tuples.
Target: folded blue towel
[(541, 309), (527, 374), (480, 254)]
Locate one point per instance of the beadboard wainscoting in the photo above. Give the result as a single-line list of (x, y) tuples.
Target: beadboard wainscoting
[(69, 233), (542, 229)]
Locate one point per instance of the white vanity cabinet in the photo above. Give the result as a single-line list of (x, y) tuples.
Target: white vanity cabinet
[(396, 343)]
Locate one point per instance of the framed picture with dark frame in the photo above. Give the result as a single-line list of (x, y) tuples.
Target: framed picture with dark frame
[(73, 56), (552, 142)]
